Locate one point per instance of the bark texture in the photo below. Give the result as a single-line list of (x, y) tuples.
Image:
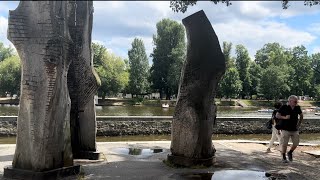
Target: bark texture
[(194, 114), (83, 82), (39, 31)]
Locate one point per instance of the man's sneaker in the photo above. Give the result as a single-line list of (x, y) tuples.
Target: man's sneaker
[(285, 161), (289, 156)]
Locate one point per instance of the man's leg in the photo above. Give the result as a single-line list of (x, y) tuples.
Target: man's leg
[(295, 142), (284, 142), (273, 138)]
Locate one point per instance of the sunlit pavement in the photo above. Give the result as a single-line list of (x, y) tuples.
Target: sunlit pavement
[(144, 160)]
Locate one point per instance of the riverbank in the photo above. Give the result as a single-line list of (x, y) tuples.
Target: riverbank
[(161, 125), (233, 159)]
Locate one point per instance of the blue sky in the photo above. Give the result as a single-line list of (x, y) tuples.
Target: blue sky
[(117, 23)]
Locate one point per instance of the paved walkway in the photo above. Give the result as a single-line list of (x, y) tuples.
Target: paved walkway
[(230, 155)]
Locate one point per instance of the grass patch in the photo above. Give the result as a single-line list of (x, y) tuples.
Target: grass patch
[(226, 103), (258, 103)]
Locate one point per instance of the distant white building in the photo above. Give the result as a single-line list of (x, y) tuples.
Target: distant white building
[(128, 96), (155, 95)]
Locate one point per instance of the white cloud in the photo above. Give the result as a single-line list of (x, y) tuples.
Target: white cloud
[(316, 50), (121, 45), (254, 36), (3, 31), (314, 28), (117, 23)]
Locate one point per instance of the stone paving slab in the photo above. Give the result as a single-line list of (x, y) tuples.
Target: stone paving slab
[(313, 153)]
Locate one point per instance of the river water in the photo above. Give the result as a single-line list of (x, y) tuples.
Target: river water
[(12, 110)]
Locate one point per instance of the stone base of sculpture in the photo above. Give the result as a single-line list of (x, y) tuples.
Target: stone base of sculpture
[(91, 155), (14, 173), (189, 162)]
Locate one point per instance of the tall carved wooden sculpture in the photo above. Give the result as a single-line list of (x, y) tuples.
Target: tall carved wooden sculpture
[(39, 31), (82, 82), (193, 119)]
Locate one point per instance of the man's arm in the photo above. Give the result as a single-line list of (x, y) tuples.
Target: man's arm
[(300, 119), (278, 115)]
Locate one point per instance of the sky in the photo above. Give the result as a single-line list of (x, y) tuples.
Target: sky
[(250, 23)]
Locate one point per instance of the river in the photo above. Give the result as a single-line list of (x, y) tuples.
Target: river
[(223, 111)]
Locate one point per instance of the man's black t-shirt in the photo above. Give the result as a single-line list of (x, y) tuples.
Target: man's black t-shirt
[(290, 124)]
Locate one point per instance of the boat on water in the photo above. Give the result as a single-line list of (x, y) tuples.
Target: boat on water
[(165, 105), (266, 110)]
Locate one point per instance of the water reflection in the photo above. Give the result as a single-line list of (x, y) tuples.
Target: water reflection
[(137, 151), (239, 175), (224, 175)]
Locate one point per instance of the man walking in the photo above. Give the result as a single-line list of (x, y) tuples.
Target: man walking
[(290, 123)]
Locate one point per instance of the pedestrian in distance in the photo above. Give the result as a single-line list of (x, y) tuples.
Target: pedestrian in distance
[(275, 132)]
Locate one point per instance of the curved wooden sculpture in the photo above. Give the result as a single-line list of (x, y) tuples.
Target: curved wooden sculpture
[(83, 82), (194, 114), (40, 34)]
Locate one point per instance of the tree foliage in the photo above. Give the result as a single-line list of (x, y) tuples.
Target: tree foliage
[(10, 75), (272, 53), (273, 82), (300, 78), (182, 5), (230, 85), (255, 73), (243, 64), (226, 49), (98, 51), (5, 52), (315, 65), (113, 74), (168, 57), (139, 68)]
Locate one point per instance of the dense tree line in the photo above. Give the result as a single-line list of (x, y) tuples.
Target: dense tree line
[(275, 72)]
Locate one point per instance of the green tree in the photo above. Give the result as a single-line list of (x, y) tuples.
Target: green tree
[(5, 52), (271, 53), (242, 64), (300, 78), (168, 56), (315, 64), (230, 62), (113, 74), (317, 91), (98, 51), (255, 73), (273, 83), (230, 85), (227, 47), (182, 5), (10, 75), (139, 68)]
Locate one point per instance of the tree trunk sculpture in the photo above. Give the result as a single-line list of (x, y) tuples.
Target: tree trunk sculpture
[(40, 34), (194, 114), (82, 82)]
